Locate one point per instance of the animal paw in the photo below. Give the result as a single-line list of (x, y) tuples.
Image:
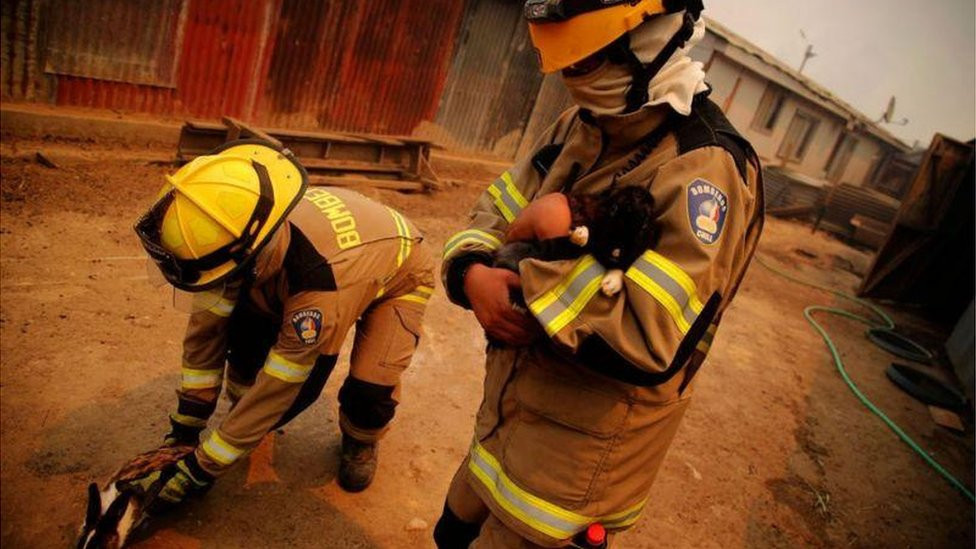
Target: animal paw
[(612, 282), (580, 235)]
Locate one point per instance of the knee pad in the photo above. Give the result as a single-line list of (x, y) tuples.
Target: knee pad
[(453, 533), (367, 405)]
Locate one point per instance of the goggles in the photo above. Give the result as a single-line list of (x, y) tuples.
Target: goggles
[(555, 11), (182, 273)]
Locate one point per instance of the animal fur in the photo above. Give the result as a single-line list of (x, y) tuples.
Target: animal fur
[(115, 511)]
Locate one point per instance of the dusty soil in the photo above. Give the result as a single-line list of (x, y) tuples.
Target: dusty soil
[(775, 450)]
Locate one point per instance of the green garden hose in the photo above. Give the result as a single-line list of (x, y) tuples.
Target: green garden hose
[(886, 323)]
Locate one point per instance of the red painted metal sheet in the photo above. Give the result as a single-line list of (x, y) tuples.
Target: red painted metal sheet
[(349, 65), (359, 66), (221, 47)]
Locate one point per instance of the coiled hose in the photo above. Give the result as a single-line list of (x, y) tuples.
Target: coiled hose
[(886, 324)]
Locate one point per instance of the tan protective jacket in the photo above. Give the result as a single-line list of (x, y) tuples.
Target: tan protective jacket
[(573, 429), (338, 253)]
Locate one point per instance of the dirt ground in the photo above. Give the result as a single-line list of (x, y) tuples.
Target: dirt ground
[(774, 452)]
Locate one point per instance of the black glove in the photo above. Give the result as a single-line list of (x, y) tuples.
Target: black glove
[(180, 434), (166, 489)]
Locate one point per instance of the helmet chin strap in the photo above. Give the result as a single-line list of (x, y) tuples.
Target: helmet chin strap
[(621, 53)]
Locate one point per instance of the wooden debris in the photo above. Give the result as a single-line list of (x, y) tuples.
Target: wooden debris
[(45, 161), (391, 184), (947, 419)]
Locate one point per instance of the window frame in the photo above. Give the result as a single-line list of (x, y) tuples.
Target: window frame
[(799, 151), (840, 155), (770, 109)]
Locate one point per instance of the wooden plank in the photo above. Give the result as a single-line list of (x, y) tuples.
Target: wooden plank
[(791, 211), (349, 165), (235, 124), (391, 184)]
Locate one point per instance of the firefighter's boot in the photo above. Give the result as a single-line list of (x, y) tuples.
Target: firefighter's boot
[(357, 464)]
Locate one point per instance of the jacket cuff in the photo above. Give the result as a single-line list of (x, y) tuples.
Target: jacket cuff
[(456, 270)]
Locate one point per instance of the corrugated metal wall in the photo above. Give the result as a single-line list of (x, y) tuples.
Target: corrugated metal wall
[(359, 65), (219, 44), (343, 64), (494, 79), (20, 73)]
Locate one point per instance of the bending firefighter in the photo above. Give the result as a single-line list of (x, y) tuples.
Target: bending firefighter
[(280, 274), (585, 389)]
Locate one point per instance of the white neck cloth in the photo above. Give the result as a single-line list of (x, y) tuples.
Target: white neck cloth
[(604, 91)]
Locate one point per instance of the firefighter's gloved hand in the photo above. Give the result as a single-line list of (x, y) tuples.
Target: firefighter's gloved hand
[(163, 490)]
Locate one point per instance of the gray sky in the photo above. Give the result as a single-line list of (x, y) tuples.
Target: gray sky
[(924, 53)]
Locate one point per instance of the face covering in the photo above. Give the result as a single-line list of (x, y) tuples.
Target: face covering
[(604, 90)]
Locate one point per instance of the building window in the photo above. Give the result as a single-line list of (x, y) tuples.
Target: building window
[(770, 107), (798, 136), (840, 155)]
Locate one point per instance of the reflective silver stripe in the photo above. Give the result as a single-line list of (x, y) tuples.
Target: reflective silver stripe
[(201, 379), (669, 285), (505, 493), (220, 450), (543, 516), (474, 236), (286, 370), (508, 199), (559, 306)]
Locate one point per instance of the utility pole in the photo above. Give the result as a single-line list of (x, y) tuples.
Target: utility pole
[(807, 54)]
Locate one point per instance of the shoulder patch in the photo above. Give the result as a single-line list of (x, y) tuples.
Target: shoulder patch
[(707, 208), (307, 324)]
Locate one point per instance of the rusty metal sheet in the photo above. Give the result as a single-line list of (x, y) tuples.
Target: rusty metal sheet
[(135, 41), (219, 56), (373, 67), (494, 79), (359, 66), (21, 77)]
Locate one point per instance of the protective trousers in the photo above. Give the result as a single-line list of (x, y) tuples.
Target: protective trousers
[(467, 522), (387, 334)]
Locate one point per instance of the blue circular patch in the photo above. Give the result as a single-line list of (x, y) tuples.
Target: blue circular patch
[(307, 325), (707, 207)]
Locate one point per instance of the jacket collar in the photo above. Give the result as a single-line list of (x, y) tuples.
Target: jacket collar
[(625, 130)]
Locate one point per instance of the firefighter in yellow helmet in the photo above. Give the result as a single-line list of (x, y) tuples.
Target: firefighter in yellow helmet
[(280, 273), (584, 391)]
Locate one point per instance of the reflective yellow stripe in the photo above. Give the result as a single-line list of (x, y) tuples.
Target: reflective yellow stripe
[(420, 294), (403, 231), (471, 236), (213, 302), (201, 379), (508, 199), (286, 370), (220, 450), (236, 390), (189, 421), (539, 514), (670, 286), (560, 305)]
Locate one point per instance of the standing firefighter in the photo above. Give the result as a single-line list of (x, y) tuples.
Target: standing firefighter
[(574, 427), (280, 273)]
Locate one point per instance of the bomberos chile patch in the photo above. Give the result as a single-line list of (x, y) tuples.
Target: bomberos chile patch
[(707, 208), (307, 324)]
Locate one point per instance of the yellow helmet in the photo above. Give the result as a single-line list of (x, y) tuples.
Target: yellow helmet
[(218, 211), (565, 32)]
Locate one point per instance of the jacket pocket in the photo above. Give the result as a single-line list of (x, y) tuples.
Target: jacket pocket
[(562, 436)]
